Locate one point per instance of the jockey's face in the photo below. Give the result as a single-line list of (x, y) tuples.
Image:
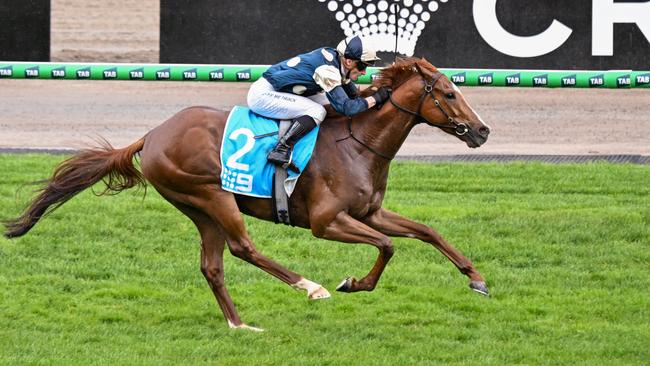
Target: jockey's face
[(354, 69)]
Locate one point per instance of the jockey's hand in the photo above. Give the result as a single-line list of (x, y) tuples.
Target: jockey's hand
[(381, 95)]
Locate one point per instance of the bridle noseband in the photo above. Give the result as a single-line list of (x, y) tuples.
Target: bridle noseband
[(460, 128)]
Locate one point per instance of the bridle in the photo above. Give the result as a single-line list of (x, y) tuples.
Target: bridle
[(459, 128)]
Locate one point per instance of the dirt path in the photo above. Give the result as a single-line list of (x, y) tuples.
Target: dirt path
[(69, 113)]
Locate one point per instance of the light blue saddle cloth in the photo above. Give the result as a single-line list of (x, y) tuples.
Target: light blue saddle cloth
[(247, 140)]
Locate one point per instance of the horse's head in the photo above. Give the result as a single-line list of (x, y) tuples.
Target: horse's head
[(421, 90)]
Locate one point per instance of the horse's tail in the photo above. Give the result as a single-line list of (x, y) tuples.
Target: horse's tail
[(84, 169)]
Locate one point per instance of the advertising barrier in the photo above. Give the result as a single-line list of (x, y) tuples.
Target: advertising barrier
[(248, 73)]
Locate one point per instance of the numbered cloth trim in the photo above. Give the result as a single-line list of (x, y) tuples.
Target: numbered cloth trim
[(247, 140)]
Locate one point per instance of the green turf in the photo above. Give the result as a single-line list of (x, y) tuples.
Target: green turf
[(565, 250)]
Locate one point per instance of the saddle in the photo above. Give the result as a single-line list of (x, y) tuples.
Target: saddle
[(247, 140)]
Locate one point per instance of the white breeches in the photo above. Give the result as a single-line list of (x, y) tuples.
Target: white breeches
[(264, 100)]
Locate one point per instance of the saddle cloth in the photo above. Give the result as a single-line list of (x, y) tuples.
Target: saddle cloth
[(247, 140)]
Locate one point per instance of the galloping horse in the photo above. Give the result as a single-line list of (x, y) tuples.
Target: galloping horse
[(338, 196)]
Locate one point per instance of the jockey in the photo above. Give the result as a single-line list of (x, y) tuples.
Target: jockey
[(297, 88)]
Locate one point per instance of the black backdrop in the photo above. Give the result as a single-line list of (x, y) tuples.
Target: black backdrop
[(242, 31), (267, 31), (25, 30)]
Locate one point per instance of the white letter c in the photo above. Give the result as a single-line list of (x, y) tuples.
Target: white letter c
[(488, 26)]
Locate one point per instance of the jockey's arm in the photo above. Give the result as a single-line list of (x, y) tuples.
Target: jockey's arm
[(346, 105), (351, 90)]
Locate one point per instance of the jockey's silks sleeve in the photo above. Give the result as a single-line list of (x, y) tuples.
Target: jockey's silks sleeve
[(343, 104), (351, 90)]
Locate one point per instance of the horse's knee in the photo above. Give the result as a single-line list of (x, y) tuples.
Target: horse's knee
[(243, 250), (386, 247)]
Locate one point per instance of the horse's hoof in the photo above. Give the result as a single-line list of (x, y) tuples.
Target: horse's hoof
[(346, 285), (320, 293), (245, 327), (480, 287)]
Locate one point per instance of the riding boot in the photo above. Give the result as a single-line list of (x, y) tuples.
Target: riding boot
[(281, 153)]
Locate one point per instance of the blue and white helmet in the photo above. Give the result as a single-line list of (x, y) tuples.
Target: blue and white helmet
[(359, 49)]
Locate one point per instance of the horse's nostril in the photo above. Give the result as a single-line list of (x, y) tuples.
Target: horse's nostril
[(484, 131)]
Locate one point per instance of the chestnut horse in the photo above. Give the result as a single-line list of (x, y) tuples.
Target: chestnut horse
[(338, 196)]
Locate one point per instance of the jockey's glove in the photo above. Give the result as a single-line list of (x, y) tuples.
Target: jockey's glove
[(381, 95)]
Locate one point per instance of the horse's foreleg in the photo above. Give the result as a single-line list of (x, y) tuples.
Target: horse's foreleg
[(223, 209), (345, 228), (393, 224)]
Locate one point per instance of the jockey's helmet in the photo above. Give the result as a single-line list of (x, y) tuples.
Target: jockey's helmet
[(359, 49)]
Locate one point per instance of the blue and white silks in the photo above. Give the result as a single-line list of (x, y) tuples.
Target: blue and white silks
[(247, 140)]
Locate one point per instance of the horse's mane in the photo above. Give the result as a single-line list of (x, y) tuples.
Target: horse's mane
[(391, 76), (394, 75)]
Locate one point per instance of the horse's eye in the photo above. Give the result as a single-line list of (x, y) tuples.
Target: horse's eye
[(450, 96)]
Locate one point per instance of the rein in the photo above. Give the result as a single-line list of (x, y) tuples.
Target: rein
[(350, 134)]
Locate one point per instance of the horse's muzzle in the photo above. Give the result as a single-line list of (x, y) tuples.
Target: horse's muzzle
[(477, 137)]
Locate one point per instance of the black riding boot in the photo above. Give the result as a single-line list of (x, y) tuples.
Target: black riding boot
[(281, 153)]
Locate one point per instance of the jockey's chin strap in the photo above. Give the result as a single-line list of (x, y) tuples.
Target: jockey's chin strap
[(459, 128)]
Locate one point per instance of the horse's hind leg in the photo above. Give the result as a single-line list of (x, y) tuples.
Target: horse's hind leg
[(222, 209), (213, 241)]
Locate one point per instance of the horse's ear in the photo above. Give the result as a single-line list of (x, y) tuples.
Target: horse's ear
[(422, 70), (429, 65)]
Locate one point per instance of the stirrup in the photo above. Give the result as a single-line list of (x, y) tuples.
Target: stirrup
[(289, 165), (279, 157)]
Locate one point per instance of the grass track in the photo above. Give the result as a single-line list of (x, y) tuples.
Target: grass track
[(564, 249)]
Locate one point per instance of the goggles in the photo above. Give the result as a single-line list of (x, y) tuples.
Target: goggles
[(363, 65)]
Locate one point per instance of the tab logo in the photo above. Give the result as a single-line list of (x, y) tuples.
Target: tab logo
[(83, 73), (596, 81), (459, 78), (216, 75), (110, 73), (569, 81), (58, 73), (6, 72), (163, 74), (485, 79), (623, 81), (540, 80), (32, 72), (189, 74), (643, 79), (244, 75), (512, 80), (136, 74)]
